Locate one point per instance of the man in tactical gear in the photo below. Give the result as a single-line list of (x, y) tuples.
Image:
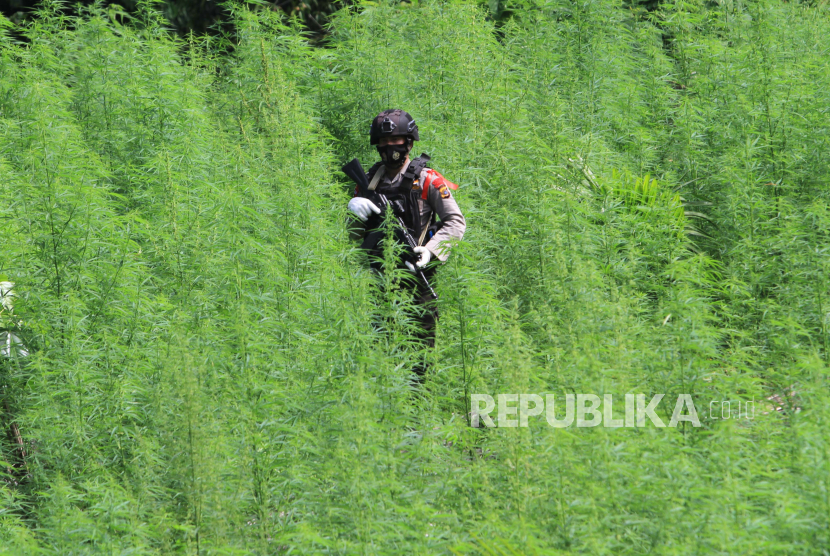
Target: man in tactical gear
[(417, 195)]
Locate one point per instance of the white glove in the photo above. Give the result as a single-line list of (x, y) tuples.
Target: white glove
[(363, 208), (423, 259), (424, 256)]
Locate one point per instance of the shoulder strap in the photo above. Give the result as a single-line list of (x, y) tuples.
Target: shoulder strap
[(424, 233), (375, 174), (415, 167)]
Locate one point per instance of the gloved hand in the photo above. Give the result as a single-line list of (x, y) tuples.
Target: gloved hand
[(423, 256), (423, 259), (363, 208)]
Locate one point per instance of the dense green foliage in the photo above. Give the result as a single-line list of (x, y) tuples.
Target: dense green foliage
[(647, 213)]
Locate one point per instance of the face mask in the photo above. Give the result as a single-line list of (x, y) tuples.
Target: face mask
[(393, 155)]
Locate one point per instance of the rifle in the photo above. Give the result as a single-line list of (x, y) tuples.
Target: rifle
[(355, 171)]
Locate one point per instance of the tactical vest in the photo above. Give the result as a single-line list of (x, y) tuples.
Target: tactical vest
[(404, 197)]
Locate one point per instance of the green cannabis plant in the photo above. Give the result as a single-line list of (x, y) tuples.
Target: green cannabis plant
[(212, 368)]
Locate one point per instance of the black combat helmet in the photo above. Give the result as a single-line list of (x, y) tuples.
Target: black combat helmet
[(393, 123)]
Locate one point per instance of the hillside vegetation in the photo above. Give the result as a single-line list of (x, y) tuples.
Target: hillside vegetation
[(647, 205)]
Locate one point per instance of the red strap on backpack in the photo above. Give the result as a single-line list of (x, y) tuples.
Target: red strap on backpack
[(437, 181)]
